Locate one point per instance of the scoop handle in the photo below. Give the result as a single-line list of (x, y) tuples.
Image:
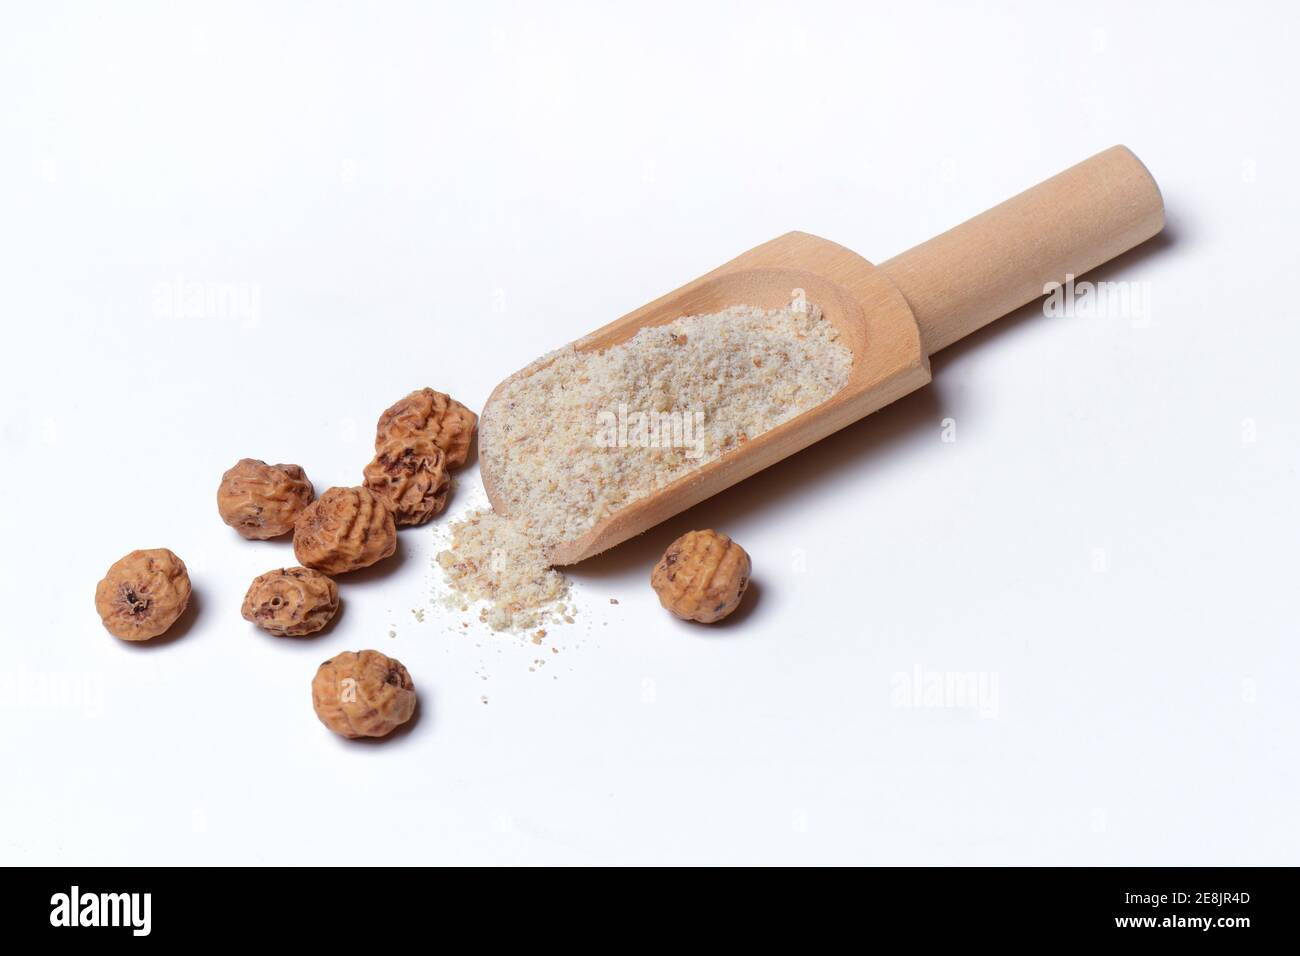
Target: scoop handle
[(988, 266)]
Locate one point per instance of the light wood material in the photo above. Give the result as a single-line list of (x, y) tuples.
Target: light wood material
[(892, 317), (995, 263)]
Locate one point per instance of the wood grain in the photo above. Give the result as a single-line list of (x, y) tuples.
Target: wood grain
[(992, 264)]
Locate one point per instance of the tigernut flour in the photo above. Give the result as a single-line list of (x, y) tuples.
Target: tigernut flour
[(579, 435), (492, 559)]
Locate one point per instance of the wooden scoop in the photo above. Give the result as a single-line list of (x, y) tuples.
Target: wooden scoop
[(893, 317)]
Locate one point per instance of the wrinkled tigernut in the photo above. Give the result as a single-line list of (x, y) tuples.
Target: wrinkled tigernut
[(432, 415), (143, 594), (702, 576), (363, 694), (262, 501), (344, 530), (291, 602), (409, 476)]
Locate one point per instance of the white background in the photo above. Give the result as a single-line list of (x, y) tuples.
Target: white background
[(433, 195)]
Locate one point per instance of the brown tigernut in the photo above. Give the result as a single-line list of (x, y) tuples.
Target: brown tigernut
[(435, 416), (291, 602), (363, 694), (344, 530), (409, 476), (702, 576), (261, 501), (143, 594)]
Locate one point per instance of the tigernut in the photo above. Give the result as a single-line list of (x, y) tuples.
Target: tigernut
[(363, 694), (143, 594), (433, 415), (262, 501), (409, 476), (291, 602), (343, 530), (702, 576)]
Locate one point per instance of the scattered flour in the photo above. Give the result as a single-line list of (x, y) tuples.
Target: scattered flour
[(491, 559)]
